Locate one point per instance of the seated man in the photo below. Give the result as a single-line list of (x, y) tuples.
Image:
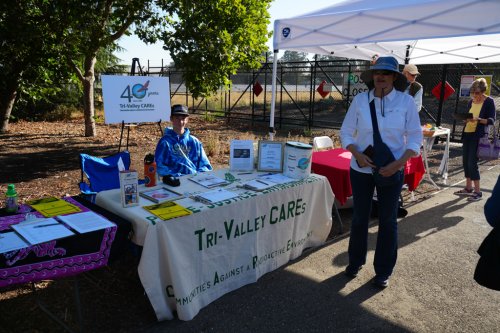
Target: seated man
[(179, 153)]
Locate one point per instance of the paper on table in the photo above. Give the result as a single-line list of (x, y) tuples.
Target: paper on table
[(208, 180), (41, 230), (258, 184), (51, 206), (86, 222), (10, 241), (278, 178), (215, 196)]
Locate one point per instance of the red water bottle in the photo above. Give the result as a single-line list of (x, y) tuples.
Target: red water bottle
[(150, 170)]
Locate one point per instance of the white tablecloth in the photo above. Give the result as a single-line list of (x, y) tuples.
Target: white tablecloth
[(190, 261)]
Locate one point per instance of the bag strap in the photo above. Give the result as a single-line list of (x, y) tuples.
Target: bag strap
[(377, 139)]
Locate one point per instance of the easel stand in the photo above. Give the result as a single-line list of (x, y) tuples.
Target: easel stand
[(128, 133)]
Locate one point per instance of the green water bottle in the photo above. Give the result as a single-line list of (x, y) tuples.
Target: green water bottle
[(11, 199)]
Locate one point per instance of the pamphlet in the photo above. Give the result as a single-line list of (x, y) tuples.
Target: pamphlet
[(129, 188), (167, 210), (10, 241), (161, 194), (86, 222), (277, 178), (38, 231), (209, 180), (258, 184), (241, 155), (51, 206), (217, 195)]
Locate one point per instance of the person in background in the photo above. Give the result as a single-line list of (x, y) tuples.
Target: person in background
[(399, 126), (415, 89), (178, 152), (482, 108)]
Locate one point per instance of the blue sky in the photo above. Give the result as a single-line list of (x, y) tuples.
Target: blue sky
[(135, 48)]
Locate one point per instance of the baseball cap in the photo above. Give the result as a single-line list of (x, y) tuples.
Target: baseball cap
[(412, 69), (179, 109)]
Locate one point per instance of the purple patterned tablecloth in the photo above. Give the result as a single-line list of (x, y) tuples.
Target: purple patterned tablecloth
[(54, 259)]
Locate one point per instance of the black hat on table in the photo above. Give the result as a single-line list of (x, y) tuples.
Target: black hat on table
[(386, 64)]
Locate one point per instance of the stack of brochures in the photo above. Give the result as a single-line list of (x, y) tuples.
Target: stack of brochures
[(213, 196), (209, 180)]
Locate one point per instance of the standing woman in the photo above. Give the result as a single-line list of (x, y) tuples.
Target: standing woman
[(482, 108), (399, 127)]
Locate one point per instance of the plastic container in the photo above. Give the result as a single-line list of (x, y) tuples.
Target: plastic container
[(297, 160), (11, 205), (150, 170)]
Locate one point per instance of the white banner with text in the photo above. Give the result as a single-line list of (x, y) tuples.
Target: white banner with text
[(190, 261), (135, 99)]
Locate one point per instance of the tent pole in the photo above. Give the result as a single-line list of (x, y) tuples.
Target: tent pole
[(273, 96), (407, 56)]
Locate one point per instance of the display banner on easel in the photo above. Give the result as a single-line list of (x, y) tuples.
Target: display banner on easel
[(135, 99)]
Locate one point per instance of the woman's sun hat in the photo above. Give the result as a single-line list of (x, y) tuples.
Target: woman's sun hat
[(385, 64)]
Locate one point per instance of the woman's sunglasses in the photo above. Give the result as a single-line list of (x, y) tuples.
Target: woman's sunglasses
[(382, 73)]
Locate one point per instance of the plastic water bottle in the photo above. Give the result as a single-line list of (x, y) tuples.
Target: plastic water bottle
[(11, 199), (150, 170)]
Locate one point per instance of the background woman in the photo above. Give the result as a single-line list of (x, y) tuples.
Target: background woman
[(482, 108)]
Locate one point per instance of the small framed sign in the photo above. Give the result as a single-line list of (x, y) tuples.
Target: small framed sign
[(160, 194), (241, 155), (270, 156)]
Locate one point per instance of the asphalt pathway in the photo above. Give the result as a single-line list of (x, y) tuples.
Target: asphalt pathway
[(431, 290)]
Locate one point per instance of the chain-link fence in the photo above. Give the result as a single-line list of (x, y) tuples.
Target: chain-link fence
[(317, 94)]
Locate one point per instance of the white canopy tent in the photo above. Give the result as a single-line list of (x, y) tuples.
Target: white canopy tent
[(413, 31)]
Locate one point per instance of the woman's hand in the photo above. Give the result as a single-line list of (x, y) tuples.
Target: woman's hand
[(363, 160), (390, 168)]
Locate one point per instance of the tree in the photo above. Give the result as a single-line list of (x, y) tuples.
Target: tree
[(209, 40), (290, 56), (212, 39), (28, 54)]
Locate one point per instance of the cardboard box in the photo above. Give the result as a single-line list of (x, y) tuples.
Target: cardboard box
[(129, 191)]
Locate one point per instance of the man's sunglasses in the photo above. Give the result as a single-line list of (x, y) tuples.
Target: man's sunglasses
[(382, 73)]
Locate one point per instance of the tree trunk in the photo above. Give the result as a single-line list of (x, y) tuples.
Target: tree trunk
[(8, 98), (88, 96)]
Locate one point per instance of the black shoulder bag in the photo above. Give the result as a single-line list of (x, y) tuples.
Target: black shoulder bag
[(382, 154)]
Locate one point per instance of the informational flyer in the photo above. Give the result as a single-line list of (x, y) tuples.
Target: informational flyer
[(241, 157), (270, 156)]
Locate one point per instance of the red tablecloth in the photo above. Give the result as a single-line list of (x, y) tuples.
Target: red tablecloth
[(334, 164)]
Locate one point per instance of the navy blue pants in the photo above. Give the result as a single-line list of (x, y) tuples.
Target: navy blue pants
[(386, 251), (469, 156)]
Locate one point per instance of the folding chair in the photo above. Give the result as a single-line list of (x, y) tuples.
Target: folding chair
[(101, 173), (322, 142)]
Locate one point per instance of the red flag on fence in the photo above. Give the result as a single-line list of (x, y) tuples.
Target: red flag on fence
[(257, 88), (448, 90), (320, 90)]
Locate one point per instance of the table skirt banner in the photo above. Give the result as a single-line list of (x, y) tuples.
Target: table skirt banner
[(54, 259), (191, 261)]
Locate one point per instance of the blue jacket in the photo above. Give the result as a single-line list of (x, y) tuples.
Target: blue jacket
[(178, 155)]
